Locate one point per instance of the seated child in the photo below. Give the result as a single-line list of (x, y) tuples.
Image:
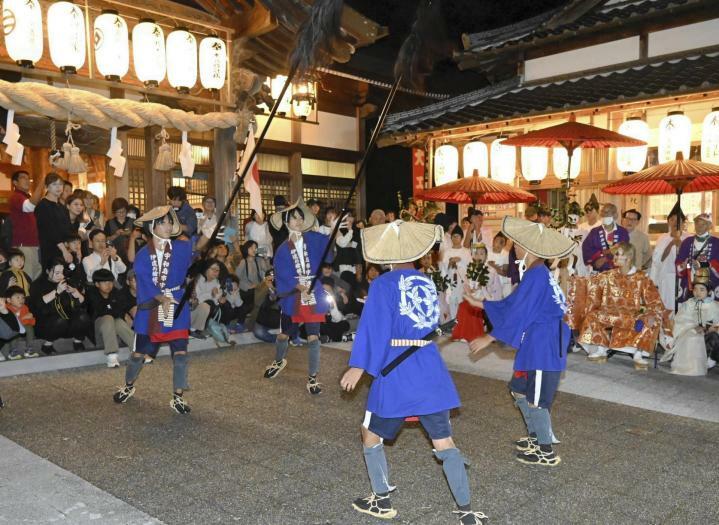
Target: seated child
[(15, 275), (695, 330), (21, 345)]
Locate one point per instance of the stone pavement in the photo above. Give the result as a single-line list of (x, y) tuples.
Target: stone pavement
[(264, 452)]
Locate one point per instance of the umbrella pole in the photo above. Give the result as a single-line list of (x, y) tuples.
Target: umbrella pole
[(679, 228)]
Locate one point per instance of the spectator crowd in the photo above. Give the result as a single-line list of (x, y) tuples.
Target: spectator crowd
[(66, 273)]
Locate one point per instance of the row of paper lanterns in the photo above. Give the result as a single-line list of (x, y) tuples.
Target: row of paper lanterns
[(501, 161), (674, 136), (153, 56)]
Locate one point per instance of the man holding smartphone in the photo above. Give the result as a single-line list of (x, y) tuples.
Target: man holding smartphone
[(104, 255)]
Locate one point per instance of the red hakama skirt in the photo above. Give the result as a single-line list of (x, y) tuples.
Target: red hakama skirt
[(470, 322)]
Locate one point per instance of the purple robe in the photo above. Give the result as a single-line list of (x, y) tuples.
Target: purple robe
[(707, 256), (597, 241)]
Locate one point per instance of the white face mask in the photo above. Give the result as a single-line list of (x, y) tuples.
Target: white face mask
[(607, 221)]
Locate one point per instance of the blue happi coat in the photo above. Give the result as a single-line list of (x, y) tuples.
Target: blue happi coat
[(530, 319), (286, 276), (147, 290), (402, 304)]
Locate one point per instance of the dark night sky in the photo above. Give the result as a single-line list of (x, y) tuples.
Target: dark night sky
[(461, 16), (389, 169)]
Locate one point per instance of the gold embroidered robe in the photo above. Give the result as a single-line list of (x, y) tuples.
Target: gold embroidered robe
[(619, 308)]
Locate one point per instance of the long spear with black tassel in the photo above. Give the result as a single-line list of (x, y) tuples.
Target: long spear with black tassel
[(315, 41), (426, 43)]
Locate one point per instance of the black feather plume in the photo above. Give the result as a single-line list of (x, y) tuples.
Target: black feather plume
[(317, 37), (426, 44)]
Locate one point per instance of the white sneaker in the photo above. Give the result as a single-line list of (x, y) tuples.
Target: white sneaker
[(112, 361), (2, 357), (711, 363)]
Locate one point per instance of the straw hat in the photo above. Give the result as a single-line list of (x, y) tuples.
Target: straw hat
[(158, 212), (536, 238), (277, 219), (399, 241)]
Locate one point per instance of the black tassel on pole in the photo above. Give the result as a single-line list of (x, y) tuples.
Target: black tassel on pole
[(315, 41)]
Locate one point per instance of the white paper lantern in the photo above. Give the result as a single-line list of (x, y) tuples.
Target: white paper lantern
[(675, 134), (213, 63), (534, 164), (631, 160), (275, 90), (560, 163), (112, 52), (22, 24), (503, 161), (181, 59), (304, 98), (446, 164), (66, 35), (710, 137), (475, 157), (148, 51)]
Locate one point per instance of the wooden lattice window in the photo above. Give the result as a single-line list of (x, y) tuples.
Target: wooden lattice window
[(136, 184), (331, 192)]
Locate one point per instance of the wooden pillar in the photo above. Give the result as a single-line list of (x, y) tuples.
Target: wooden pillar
[(224, 163), (154, 180), (295, 176), (361, 210)]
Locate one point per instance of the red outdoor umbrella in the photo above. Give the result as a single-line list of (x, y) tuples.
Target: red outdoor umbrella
[(572, 135), (477, 190), (678, 176)]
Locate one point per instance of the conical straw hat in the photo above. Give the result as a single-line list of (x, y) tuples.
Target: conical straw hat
[(399, 241), (277, 218), (158, 212), (536, 238)]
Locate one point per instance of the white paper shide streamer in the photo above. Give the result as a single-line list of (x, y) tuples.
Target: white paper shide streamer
[(186, 162), (117, 161), (11, 140)]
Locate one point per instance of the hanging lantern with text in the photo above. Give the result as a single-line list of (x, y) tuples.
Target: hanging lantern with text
[(503, 161), (475, 157), (675, 134), (181, 60), (213, 63), (275, 90), (304, 98), (560, 163), (710, 137), (66, 36), (112, 52), (148, 51), (446, 164), (632, 160), (534, 164), (22, 24)]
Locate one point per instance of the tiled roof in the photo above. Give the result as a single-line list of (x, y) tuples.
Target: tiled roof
[(699, 72), (605, 13)]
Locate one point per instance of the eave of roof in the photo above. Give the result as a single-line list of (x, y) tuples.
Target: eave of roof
[(594, 20), (664, 76)]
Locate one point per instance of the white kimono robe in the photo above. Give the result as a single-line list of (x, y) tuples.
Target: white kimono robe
[(689, 351), (457, 276), (664, 273)]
